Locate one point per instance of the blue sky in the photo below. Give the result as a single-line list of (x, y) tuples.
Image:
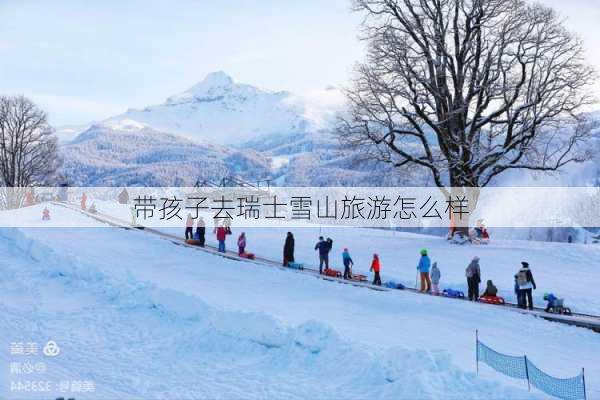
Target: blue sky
[(86, 60)]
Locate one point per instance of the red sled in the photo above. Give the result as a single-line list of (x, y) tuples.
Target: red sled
[(492, 300), (249, 256), (334, 273)]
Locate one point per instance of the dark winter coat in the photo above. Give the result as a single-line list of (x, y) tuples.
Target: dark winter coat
[(490, 290), (288, 247), (324, 247)]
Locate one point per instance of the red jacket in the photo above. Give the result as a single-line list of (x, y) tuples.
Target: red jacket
[(220, 233), (375, 265)]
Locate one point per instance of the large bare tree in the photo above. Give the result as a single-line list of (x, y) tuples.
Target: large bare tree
[(468, 89), (28, 147)]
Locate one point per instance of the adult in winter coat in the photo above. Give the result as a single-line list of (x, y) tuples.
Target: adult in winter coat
[(435, 278), (473, 274), (376, 267), (526, 286), (201, 231), (221, 234), (189, 227), (288, 249), (241, 243), (423, 268), (324, 247), (347, 260), (490, 289)]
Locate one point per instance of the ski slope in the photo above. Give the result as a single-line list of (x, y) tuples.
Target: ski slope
[(144, 318)]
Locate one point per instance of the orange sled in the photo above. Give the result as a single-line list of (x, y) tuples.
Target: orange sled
[(194, 242), (334, 273), (249, 256)]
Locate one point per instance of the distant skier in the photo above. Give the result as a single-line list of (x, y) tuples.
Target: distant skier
[(46, 214), (473, 274), (348, 263), (288, 249), (324, 247), (423, 268), (526, 286), (221, 235), (435, 278), (83, 201), (201, 231), (376, 268), (490, 290), (189, 227), (241, 243)]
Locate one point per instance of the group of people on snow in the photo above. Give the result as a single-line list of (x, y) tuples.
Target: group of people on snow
[(428, 273)]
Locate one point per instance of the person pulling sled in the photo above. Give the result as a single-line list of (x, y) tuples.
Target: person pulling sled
[(324, 247), (375, 268)]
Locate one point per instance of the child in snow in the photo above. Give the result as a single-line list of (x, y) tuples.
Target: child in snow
[(221, 234), (242, 243), (435, 278), (376, 267), (46, 214), (347, 260), (490, 290), (423, 268), (552, 301), (518, 291), (93, 209)]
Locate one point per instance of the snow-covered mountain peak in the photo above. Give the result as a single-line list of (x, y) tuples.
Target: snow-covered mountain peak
[(213, 86)]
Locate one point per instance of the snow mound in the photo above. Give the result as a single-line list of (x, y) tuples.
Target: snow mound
[(179, 338)]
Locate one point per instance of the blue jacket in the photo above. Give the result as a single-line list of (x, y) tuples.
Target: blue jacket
[(347, 259), (424, 264)]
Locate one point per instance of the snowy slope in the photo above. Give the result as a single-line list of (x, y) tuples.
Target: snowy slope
[(219, 110), (155, 320)]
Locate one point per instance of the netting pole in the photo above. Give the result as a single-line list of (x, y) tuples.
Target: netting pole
[(527, 374), (477, 351), (583, 379)]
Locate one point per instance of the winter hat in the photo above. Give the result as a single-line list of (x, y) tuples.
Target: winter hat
[(434, 264), (345, 249), (375, 255), (525, 264), (321, 238), (476, 258), (423, 252)]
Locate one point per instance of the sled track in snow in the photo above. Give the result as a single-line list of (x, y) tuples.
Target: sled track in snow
[(589, 321)]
